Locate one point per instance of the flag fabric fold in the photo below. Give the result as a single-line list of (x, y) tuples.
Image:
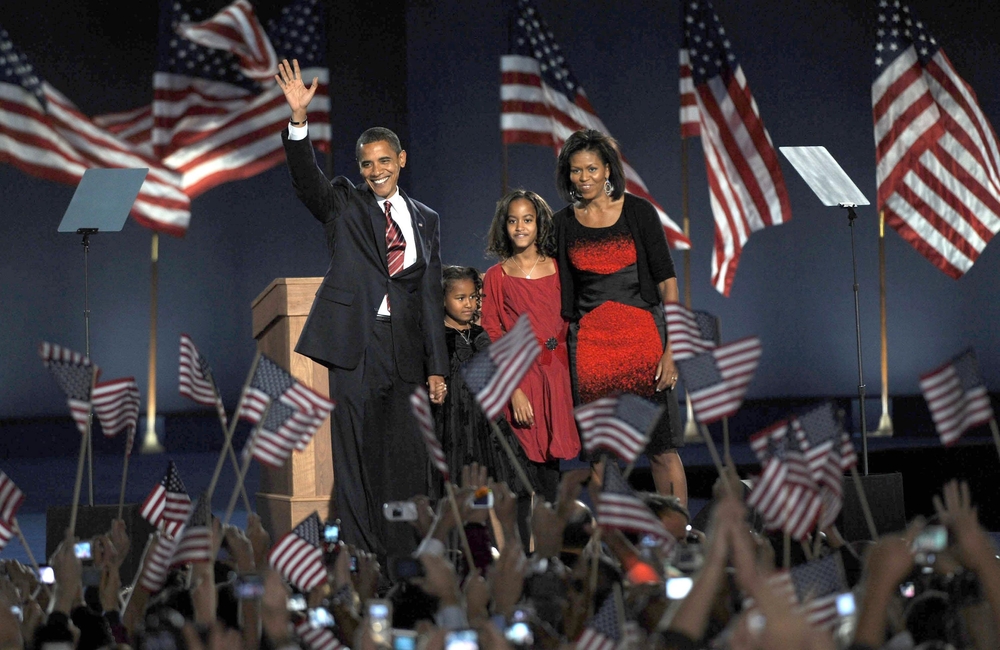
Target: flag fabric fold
[(316, 638), (957, 397), (195, 375), (716, 381), (690, 332), (421, 405), (937, 162), (157, 565), (493, 374), (168, 505), (44, 134), (814, 586), (746, 187), (602, 631), (11, 498), (76, 376), (298, 557), (542, 103), (785, 493), (194, 541), (619, 424), (116, 404)]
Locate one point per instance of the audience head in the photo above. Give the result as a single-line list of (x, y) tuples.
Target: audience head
[(530, 209), (581, 151)]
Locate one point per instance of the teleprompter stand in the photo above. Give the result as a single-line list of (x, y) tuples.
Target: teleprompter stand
[(834, 187), (101, 203)]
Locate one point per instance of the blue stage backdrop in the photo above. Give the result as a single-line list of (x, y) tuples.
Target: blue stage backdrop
[(809, 66)]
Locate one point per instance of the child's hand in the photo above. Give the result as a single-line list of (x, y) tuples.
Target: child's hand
[(524, 415)]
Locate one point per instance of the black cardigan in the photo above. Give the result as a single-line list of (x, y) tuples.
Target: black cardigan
[(653, 261)]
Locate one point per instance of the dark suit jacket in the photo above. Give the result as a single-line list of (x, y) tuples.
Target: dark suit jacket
[(343, 314)]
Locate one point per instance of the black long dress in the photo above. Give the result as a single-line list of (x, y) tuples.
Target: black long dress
[(462, 426)]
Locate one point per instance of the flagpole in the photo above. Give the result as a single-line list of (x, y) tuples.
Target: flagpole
[(121, 495), (706, 434), (521, 475), (227, 445), (150, 444), (461, 526), (232, 425), (83, 453), (595, 542), (245, 466), (690, 427), (885, 422), (31, 556), (996, 433)]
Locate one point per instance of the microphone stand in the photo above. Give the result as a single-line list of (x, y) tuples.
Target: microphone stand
[(87, 232), (851, 216)]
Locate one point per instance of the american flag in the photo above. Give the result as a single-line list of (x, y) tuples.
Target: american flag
[(298, 556), (746, 187), (75, 375), (602, 632), (316, 638), (209, 120), (194, 542), (619, 424), (168, 505), (421, 406), (272, 382), (44, 134), (619, 507), (815, 585), (195, 375), (785, 493), (716, 381), (283, 429), (936, 154), (762, 443), (156, 567), (116, 404), (819, 435), (11, 498), (494, 373), (957, 397), (690, 332), (542, 103)]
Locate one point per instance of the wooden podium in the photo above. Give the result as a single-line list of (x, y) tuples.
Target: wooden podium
[(290, 493)]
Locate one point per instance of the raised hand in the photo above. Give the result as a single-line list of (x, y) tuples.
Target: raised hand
[(297, 95), (959, 515)]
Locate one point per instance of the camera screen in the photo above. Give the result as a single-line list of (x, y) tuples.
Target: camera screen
[(483, 498), (378, 610), (845, 604), (678, 588), (82, 550), (248, 587), (331, 534), (519, 633), (320, 617), (462, 640), (46, 575), (932, 539), (297, 603), (404, 642)]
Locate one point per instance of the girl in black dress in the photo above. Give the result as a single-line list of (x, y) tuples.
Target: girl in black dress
[(462, 426)]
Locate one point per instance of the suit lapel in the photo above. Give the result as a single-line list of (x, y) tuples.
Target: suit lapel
[(377, 220)]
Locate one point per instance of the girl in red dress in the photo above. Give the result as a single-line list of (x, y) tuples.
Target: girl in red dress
[(526, 281)]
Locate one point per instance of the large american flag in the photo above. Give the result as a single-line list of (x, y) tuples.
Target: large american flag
[(209, 121), (936, 155), (690, 332), (716, 381), (298, 556), (619, 507), (76, 376), (11, 498), (957, 397), (44, 134), (421, 405), (493, 374), (168, 505), (116, 404), (619, 424), (195, 375), (602, 631), (542, 103), (746, 187)]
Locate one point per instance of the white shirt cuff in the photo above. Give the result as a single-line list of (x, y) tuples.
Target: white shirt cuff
[(298, 132)]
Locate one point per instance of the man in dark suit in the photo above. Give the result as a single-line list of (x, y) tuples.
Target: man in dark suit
[(377, 321)]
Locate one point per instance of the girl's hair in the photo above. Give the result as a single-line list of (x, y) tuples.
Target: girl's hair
[(606, 149), (451, 274), (498, 243)]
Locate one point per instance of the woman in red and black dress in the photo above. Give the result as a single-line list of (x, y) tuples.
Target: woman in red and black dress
[(616, 272)]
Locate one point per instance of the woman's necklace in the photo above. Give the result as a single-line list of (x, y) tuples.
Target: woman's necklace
[(527, 276), (466, 334)]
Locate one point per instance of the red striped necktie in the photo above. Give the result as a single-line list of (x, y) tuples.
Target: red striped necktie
[(395, 244)]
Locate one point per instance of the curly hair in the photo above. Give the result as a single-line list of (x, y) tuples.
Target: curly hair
[(451, 274), (596, 142), (498, 242)]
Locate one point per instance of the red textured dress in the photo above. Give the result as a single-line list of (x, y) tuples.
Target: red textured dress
[(547, 382), (618, 343)]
